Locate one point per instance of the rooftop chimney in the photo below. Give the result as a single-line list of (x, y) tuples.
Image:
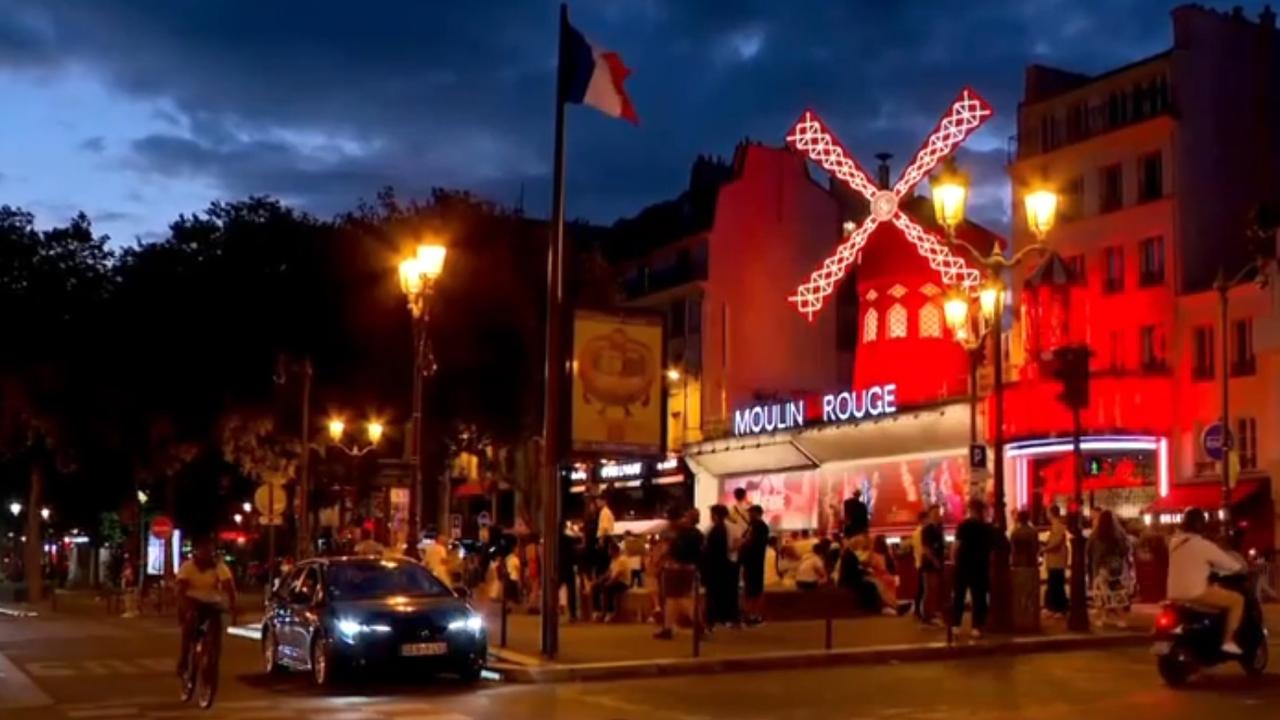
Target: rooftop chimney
[(882, 170)]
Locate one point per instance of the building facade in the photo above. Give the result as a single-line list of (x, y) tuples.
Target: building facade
[(1160, 165)]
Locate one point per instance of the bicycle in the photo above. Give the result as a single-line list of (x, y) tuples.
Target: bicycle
[(201, 677)]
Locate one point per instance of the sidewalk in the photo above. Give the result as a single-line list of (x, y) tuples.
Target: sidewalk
[(591, 651), (90, 603)]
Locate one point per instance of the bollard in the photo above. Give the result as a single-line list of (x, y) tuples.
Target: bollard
[(697, 616), (502, 623)]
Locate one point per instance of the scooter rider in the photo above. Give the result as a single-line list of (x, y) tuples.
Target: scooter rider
[(1192, 559)]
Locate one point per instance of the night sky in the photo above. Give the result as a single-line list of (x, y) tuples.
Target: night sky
[(137, 110)]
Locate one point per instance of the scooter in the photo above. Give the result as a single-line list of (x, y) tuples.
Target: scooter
[(1188, 637)]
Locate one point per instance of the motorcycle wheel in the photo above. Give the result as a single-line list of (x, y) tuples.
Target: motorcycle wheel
[(1255, 662), (1173, 670)]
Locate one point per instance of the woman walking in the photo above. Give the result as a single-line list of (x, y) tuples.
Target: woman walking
[(1110, 563)]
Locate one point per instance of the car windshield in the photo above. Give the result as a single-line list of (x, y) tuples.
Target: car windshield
[(386, 578)]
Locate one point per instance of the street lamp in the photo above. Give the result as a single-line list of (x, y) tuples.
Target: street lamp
[(45, 513), (15, 508), (1263, 243), (418, 275), (238, 518), (246, 507)]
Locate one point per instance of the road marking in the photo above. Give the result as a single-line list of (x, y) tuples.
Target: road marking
[(99, 668), (101, 712), (17, 690)]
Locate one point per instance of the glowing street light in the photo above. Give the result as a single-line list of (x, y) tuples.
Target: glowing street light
[(336, 428), (375, 430), (45, 513), (1042, 210), (950, 188), (15, 508), (238, 518), (956, 311), (246, 507), (673, 375), (988, 298)]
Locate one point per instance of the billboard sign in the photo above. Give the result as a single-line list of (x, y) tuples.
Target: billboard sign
[(617, 403)]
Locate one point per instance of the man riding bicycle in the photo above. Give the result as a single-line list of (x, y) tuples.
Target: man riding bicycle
[(203, 580)]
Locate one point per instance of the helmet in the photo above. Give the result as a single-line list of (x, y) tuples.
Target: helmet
[(1194, 521)]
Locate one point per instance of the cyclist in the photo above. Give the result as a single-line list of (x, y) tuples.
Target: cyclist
[(203, 581)]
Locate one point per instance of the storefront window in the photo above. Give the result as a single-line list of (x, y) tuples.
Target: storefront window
[(1123, 482)]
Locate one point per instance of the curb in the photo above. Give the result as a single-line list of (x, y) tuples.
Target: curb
[(15, 613), (516, 672)]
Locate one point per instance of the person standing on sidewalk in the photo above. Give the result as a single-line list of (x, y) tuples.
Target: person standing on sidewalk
[(719, 572), (933, 547), (972, 558), (917, 552), (755, 547), (857, 518), (679, 574), (1055, 564)]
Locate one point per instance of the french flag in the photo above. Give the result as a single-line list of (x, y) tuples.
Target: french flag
[(591, 75)]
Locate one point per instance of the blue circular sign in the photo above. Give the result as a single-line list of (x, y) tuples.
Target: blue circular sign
[(1216, 441)]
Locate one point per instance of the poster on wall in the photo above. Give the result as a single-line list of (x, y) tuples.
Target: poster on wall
[(617, 383), (895, 491)]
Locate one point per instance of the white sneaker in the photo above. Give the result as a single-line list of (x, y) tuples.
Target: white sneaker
[(1229, 647)]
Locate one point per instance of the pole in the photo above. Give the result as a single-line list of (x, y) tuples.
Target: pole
[(415, 440), (1001, 581), (271, 537), (304, 467), (554, 380), (1227, 445), (1078, 617)]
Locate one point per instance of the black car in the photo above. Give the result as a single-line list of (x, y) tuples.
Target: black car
[(334, 614)]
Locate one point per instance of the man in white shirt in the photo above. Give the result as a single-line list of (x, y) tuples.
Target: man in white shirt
[(604, 527), (1191, 559)]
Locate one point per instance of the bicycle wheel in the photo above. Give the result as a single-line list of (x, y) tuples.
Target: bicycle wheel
[(188, 678), (208, 676)]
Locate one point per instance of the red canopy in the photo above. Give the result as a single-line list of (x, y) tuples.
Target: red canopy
[(1206, 495)]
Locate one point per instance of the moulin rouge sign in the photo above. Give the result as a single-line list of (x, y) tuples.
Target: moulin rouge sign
[(844, 406)]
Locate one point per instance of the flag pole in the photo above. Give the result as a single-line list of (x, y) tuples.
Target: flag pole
[(552, 424)]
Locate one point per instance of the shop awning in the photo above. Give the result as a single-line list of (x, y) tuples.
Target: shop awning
[(735, 456), (1207, 495)]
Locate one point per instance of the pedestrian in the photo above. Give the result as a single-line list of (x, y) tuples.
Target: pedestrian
[(752, 556), (568, 575), (436, 558), (679, 575), (972, 558), (612, 585), (604, 533), (1055, 564), (812, 570), (719, 572), (1024, 542), (533, 573), (367, 545), (917, 553), (877, 562), (857, 518), (1110, 565), (933, 546)]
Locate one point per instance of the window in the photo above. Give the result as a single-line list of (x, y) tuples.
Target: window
[(930, 321), (870, 326), (1113, 264), (1111, 188), (1150, 177), (1247, 442), (1202, 345), (1243, 361), (1151, 348), (1151, 261), (1071, 202), (1075, 264), (897, 322), (1117, 351)]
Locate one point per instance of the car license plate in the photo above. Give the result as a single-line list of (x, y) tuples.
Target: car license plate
[(422, 649), (1161, 648)]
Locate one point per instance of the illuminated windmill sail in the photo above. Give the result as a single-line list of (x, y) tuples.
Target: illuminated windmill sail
[(810, 135)]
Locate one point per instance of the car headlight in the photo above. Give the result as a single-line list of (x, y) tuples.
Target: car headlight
[(350, 630), (474, 623)]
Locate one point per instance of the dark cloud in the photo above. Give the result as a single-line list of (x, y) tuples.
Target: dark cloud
[(326, 104), (95, 145)]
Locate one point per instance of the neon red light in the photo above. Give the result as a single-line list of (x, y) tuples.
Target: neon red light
[(1167, 619), (810, 135)]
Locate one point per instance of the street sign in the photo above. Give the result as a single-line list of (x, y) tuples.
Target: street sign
[(270, 501), (1216, 440), (977, 456), (161, 527)]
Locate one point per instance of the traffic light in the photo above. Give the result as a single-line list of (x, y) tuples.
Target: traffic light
[(1071, 368)]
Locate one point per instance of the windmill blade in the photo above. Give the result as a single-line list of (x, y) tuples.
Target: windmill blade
[(967, 113), (810, 136), (810, 296), (954, 270)]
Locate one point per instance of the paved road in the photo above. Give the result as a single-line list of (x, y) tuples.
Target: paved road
[(77, 669)]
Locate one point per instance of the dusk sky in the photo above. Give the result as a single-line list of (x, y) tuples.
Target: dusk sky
[(137, 110)]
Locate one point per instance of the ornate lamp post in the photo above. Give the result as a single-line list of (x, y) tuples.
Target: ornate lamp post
[(418, 275), (949, 188), (337, 431)]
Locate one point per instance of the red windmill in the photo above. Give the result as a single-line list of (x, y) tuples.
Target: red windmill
[(809, 135)]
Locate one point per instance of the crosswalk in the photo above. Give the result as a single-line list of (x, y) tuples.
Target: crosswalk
[(316, 708)]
